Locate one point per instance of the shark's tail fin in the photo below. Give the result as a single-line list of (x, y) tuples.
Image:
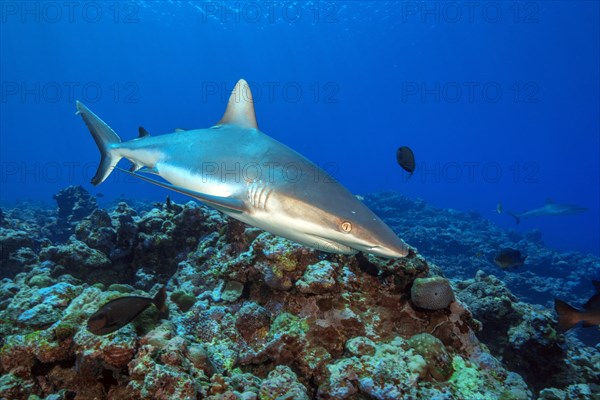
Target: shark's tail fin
[(515, 216), (106, 139)]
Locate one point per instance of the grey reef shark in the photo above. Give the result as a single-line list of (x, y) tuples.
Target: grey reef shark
[(550, 208), (240, 171)]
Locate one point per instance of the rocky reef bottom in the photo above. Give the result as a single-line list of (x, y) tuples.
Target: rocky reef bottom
[(254, 316)]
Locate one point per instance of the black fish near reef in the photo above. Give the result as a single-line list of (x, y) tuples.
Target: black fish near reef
[(406, 159), (509, 258), (569, 316), (119, 312)]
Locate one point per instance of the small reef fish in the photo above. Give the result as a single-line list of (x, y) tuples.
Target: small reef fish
[(406, 159), (119, 312), (549, 209), (509, 258), (569, 316)]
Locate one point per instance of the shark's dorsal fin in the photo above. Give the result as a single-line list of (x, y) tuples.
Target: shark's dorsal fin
[(240, 108), (143, 132)]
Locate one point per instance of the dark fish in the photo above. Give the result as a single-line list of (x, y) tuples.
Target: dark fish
[(406, 159), (99, 195), (508, 258), (119, 312), (569, 316)]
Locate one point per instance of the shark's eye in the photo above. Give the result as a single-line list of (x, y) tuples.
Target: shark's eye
[(346, 226)]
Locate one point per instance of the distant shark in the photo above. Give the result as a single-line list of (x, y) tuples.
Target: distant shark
[(550, 208), (242, 172)]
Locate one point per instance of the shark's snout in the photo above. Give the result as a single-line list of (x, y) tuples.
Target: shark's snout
[(378, 239), (394, 248)]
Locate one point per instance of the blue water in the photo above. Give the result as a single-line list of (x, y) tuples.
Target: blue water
[(499, 100)]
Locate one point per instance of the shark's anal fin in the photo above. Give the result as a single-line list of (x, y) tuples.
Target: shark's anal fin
[(225, 204)]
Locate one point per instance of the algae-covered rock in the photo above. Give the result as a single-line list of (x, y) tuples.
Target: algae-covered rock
[(76, 255), (14, 387), (391, 372), (184, 300), (74, 203), (232, 291), (255, 316), (361, 346), (253, 322), (318, 278), (282, 384), (439, 362)]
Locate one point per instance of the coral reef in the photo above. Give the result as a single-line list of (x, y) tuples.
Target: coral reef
[(255, 316), (74, 204), (521, 335), (463, 243)]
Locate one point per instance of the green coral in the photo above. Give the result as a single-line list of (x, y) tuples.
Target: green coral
[(184, 300), (289, 324), (121, 288), (439, 362), (470, 382), (282, 384)]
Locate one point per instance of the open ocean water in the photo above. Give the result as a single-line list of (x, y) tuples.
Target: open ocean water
[(498, 100)]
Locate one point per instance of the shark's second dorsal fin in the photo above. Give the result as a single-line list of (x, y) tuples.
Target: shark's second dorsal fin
[(240, 108), (143, 132)]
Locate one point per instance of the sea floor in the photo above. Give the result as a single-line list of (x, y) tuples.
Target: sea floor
[(255, 316)]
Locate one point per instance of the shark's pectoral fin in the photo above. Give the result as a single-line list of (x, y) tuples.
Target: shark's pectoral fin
[(225, 204), (240, 108), (147, 170)]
